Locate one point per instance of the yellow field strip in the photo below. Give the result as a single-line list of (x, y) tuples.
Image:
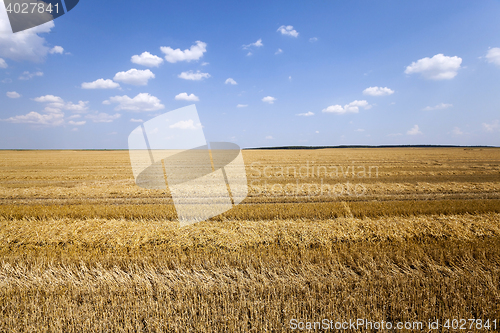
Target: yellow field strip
[(233, 234)]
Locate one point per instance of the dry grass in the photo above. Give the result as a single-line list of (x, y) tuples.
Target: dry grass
[(83, 249), (255, 290)]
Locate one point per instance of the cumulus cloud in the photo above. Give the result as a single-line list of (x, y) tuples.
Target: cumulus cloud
[(147, 59), (231, 81), (269, 99), (77, 123), (56, 49), (258, 43), (414, 130), (288, 30), (185, 97), (194, 53), (494, 126), (56, 104), (186, 124), (53, 114), (28, 76), (25, 45), (80, 107), (49, 99), (134, 77), (136, 120), (378, 91), (352, 107), (279, 51), (52, 119), (313, 39), (141, 102), (307, 114), (190, 75), (103, 117), (100, 84), (493, 56), (439, 67), (3, 64), (241, 105), (13, 94), (440, 106)]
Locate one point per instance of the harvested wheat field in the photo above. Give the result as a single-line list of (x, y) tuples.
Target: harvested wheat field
[(326, 237)]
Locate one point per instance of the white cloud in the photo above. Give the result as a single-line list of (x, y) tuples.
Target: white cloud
[(307, 114), (77, 123), (75, 116), (103, 117), (334, 109), (57, 49), (13, 94), (3, 64), (414, 130), (194, 53), (279, 51), (100, 84), (186, 124), (269, 137), (231, 81), (249, 54), (317, 132), (49, 99), (141, 102), (288, 30), (360, 130), (440, 106), (56, 104), (80, 107), (378, 91), (352, 107), (25, 45), (27, 75), (190, 75), (439, 67), (494, 126), (493, 56), (135, 77), (147, 59), (53, 119), (241, 105), (185, 97), (457, 131), (136, 120), (269, 99), (205, 63), (313, 39), (256, 44)]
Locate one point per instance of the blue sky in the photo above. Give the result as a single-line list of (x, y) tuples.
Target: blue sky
[(261, 73)]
